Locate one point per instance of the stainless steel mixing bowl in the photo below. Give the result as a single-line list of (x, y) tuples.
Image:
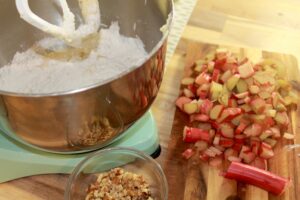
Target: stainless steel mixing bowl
[(91, 117)]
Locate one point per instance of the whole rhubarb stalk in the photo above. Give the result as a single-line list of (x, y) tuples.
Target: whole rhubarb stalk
[(257, 177)]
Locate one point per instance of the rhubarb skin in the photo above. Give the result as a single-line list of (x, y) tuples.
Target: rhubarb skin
[(192, 135), (257, 177)]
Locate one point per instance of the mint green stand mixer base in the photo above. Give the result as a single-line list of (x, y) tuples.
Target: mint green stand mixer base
[(18, 160)]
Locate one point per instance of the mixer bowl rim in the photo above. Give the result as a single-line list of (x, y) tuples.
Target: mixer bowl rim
[(93, 86)]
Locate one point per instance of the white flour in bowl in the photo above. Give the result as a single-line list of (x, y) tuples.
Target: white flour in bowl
[(32, 73)]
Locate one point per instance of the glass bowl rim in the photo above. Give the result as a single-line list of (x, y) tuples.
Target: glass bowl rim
[(125, 150)]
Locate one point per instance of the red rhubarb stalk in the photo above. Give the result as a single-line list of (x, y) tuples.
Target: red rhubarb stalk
[(257, 177)]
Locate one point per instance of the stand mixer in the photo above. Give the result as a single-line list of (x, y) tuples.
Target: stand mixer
[(21, 157)]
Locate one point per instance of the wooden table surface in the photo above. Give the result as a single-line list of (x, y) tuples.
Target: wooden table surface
[(272, 25)]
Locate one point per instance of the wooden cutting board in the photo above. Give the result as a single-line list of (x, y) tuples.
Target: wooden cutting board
[(193, 179)]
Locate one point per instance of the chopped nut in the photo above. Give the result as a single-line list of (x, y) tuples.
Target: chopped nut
[(117, 184), (95, 131)]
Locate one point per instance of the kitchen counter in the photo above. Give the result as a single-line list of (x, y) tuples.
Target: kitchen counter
[(272, 25)]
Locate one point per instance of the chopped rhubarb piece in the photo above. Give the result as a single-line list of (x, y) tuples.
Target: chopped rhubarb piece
[(275, 99), (232, 103), (181, 101), (237, 146), (216, 150), (246, 70), (199, 117), (223, 117), (214, 124), (188, 93), (276, 132), (242, 126), (249, 157), (224, 99), (217, 140), (187, 81), (226, 142), (222, 149), (281, 108), (190, 108), (215, 75), (204, 87), (203, 78), (234, 159), (271, 113), (202, 94), (241, 101), (226, 130), (192, 88), (242, 86), (236, 120), (201, 145), (230, 152), (212, 134), (253, 130), (216, 111), (249, 81), (247, 99), (200, 67), (259, 119), (206, 106), (229, 114), (270, 142), (215, 91), (202, 91), (239, 139), (219, 63), (242, 95), (257, 177), (210, 66), (269, 101), (187, 154), (246, 108), (232, 81), (282, 119), (266, 151), (200, 62), (204, 126), (233, 112), (244, 150), (265, 134), (226, 76), (255, 145), (268, 122), (264, 95), (210, 153), (192, 135), (254, 89)]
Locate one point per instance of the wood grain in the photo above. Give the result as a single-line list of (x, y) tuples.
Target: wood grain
[(194, 179)]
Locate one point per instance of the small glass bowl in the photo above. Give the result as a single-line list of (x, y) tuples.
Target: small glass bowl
[(126, 158)]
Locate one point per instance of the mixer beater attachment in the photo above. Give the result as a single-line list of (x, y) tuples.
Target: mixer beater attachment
[(66, 31)]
